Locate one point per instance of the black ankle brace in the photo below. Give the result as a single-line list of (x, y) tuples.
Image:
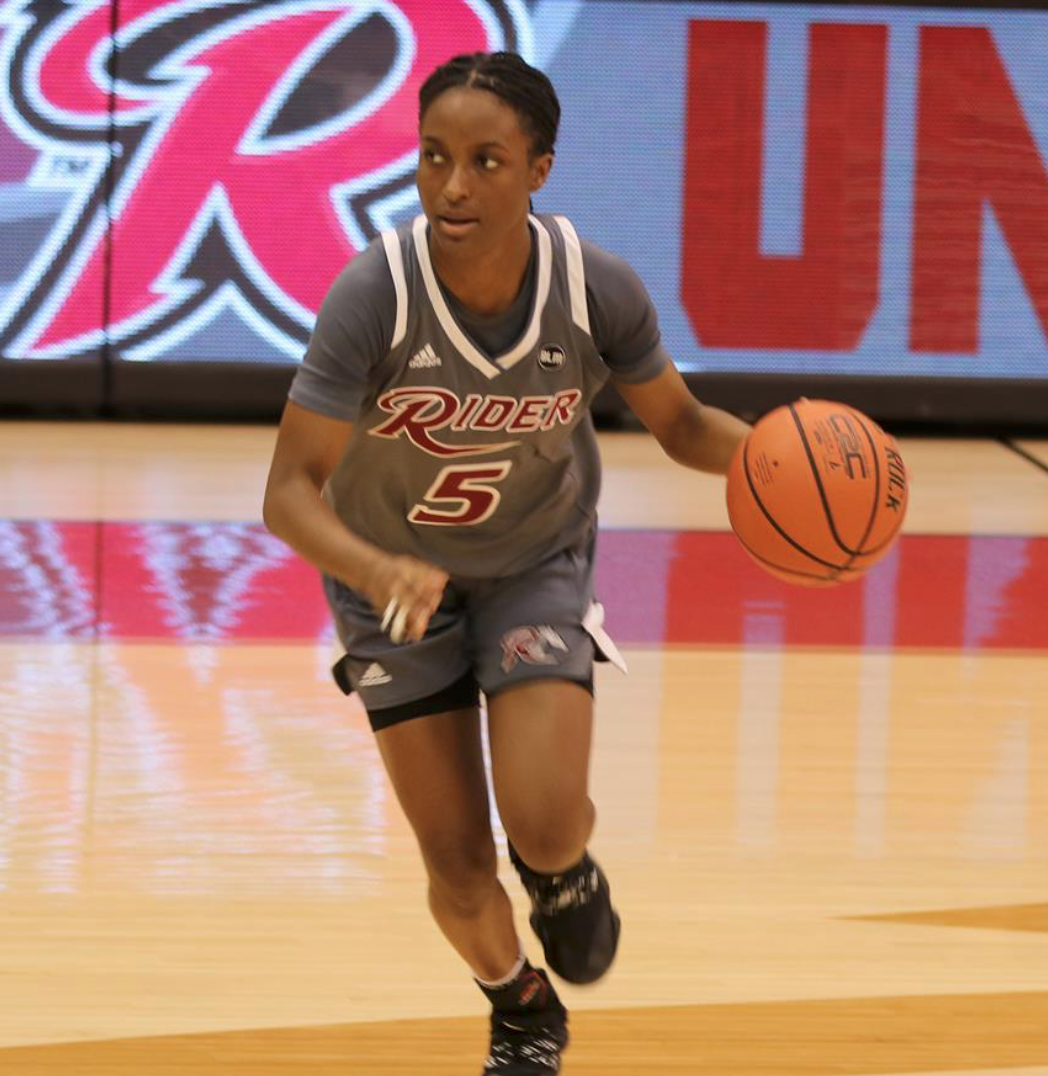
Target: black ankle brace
[(552, 893), (529, 990)]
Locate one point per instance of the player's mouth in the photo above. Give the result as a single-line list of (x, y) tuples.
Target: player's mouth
[(456, 227)]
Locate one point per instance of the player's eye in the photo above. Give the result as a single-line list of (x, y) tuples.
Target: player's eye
[(433, 156), (489, 164)]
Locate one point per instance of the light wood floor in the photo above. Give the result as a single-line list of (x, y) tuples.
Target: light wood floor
[(829, 859)]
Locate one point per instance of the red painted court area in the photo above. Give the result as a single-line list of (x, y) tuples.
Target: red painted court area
[(221, 582)]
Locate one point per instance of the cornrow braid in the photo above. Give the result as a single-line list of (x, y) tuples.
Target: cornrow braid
[(523, 87)]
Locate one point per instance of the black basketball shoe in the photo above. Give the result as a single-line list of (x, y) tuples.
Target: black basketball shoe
[(572, 915), (529, 1027)]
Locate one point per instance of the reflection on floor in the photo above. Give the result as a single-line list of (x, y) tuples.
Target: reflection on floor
[(199, 582)]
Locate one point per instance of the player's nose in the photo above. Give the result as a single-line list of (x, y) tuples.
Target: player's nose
[(456, 189)]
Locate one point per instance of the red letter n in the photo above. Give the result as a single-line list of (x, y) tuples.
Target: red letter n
[(973, 147)]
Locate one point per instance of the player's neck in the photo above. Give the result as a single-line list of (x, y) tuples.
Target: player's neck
[(487, 284)]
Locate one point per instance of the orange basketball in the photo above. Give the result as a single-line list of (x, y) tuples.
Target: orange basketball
[(817, 493)]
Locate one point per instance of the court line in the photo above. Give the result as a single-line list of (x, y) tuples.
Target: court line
[(854, 1036), (1028, 456)]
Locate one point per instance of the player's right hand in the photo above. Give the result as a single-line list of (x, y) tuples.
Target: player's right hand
[(405, 593)]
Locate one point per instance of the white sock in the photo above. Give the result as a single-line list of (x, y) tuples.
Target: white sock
[(507, 979)]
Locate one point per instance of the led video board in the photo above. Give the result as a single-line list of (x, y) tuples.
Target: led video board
[(856, 192)]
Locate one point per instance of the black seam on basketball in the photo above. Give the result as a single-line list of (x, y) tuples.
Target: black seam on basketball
[(894, 533), (851, 553), (835, 572), (862, 550), (768, 516), (887, 541)]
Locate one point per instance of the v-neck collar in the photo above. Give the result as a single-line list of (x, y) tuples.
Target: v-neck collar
[(491, 368)]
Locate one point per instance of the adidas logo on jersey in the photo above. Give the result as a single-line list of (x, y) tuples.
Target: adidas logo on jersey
[(374, 676), (424, 359)]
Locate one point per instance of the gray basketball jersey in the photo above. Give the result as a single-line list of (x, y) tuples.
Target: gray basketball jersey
[(481, 464)]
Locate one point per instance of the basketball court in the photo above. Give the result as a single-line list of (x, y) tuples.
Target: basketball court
[(824, 814)]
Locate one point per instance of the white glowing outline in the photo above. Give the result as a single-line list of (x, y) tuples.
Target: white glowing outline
[(253, 141)]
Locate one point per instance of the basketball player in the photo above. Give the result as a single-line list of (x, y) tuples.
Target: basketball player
[(437, 462)]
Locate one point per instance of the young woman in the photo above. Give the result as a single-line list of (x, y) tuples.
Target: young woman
[(436, 461)]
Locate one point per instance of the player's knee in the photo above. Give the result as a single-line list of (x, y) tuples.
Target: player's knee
[(551, 841), (461, 873)]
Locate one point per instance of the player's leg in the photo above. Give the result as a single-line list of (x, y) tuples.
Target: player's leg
[(421, 701), (437, 770), (436, 767), (540, 732), (535, 637)]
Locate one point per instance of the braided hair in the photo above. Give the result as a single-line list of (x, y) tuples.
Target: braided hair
[(523, 87)]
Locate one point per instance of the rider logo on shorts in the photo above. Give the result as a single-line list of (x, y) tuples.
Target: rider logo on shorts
[(530, 645), (551, 357)]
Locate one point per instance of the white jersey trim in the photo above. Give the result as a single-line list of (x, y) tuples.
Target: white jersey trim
[(462, 343), (545, 272), (576, 275), (436, 297), (391, 242)]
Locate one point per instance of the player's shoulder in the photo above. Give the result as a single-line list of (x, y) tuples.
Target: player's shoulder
[(359, 313), (612, 284), (601, 264), (622, 318), (362, 299), (367, 272), (597, 258)]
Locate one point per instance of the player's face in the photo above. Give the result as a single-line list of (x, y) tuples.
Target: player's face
[(476, 172)]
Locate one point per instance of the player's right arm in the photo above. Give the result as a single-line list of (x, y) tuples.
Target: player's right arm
[(308, 447), (353, 331)]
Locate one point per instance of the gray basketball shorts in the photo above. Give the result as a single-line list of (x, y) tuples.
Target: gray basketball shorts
[(485, 636)]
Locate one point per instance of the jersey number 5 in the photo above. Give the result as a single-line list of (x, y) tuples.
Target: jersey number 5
[(463, 486)]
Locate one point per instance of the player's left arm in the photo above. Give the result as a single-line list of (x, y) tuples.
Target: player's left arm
[(625, 330), (692, 433)]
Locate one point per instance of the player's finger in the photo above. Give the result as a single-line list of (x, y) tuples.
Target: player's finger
[(416, 624), (398, 632), (419, 622), (391, 609)]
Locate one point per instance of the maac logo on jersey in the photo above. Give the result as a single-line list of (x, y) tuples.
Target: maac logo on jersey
[(551, 357), (215, 158)]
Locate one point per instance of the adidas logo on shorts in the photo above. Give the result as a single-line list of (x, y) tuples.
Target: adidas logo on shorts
[(424, 358), (375, 675)]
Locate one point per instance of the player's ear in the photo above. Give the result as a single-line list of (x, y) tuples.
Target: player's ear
[(540, 166)]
